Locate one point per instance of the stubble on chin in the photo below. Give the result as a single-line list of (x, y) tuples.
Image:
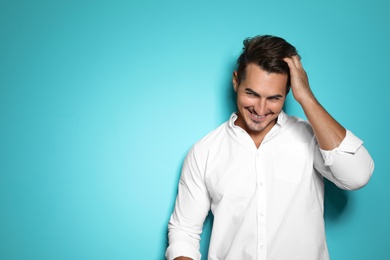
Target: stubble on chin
[(255, 127)]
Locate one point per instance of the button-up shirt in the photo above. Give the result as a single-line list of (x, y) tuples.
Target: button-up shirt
[(267, 202)]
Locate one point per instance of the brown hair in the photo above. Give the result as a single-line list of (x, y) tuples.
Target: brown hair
[(266, 51)]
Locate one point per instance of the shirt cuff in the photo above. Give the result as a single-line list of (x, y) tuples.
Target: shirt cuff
[(350, 145), (181, 249)]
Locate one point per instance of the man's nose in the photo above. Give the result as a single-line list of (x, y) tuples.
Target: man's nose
[(261, 107)]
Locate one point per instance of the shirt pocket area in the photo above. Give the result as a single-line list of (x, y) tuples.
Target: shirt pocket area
[(291, 161)]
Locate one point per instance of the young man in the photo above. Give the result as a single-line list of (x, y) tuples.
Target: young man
[(261, 173)]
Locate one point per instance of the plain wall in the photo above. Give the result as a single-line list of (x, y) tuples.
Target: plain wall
[(101, 100)]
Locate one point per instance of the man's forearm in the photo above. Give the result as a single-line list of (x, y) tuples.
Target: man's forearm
[(328, 131)]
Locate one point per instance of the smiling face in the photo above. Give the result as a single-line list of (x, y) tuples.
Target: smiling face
[(260, 99)]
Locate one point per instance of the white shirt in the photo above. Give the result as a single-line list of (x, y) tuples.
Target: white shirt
[(267, 202)]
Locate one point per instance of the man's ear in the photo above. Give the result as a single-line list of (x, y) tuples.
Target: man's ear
[(235, 81)]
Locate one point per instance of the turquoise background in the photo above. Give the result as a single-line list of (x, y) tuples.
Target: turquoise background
[(101, 100)]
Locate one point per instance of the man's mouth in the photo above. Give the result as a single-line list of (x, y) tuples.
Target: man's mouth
[(257, 117)]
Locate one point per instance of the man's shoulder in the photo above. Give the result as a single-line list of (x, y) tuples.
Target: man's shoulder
[(298, 127), (214, 136), (297, 122)]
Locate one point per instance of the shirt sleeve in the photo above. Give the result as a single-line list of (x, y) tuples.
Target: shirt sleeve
[(191, 208), (350, 164)]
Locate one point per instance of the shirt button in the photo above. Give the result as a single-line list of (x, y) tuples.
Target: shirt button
[(329, 161), (261, 184)]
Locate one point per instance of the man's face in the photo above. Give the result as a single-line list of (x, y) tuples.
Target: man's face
[(260, 99)]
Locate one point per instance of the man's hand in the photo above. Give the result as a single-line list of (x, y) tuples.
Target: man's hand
[(299, 80), (328, 131)]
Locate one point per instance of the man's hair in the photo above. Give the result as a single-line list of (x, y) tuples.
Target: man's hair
[(267, 52)]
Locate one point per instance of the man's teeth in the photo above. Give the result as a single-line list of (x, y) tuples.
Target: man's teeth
[(257, 116)]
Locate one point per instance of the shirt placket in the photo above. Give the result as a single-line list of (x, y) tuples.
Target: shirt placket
[(261, 207)]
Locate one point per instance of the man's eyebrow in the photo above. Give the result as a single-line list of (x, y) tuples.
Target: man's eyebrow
[(275, 96), (251, 91)]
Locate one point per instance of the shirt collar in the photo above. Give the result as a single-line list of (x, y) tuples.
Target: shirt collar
[(282, 118), (232, 119)]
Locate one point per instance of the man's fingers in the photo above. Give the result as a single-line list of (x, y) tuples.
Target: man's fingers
[(297, 61), (289, 62), (293, 62)]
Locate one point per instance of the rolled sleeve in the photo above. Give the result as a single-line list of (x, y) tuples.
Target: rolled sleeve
[(181, 249), (350, 163)]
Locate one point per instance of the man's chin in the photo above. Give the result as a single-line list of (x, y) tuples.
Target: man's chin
[(255, 128)]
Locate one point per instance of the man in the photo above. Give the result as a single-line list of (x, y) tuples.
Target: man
[(261, 173)]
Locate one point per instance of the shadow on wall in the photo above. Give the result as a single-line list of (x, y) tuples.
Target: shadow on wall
[(336, 201)]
